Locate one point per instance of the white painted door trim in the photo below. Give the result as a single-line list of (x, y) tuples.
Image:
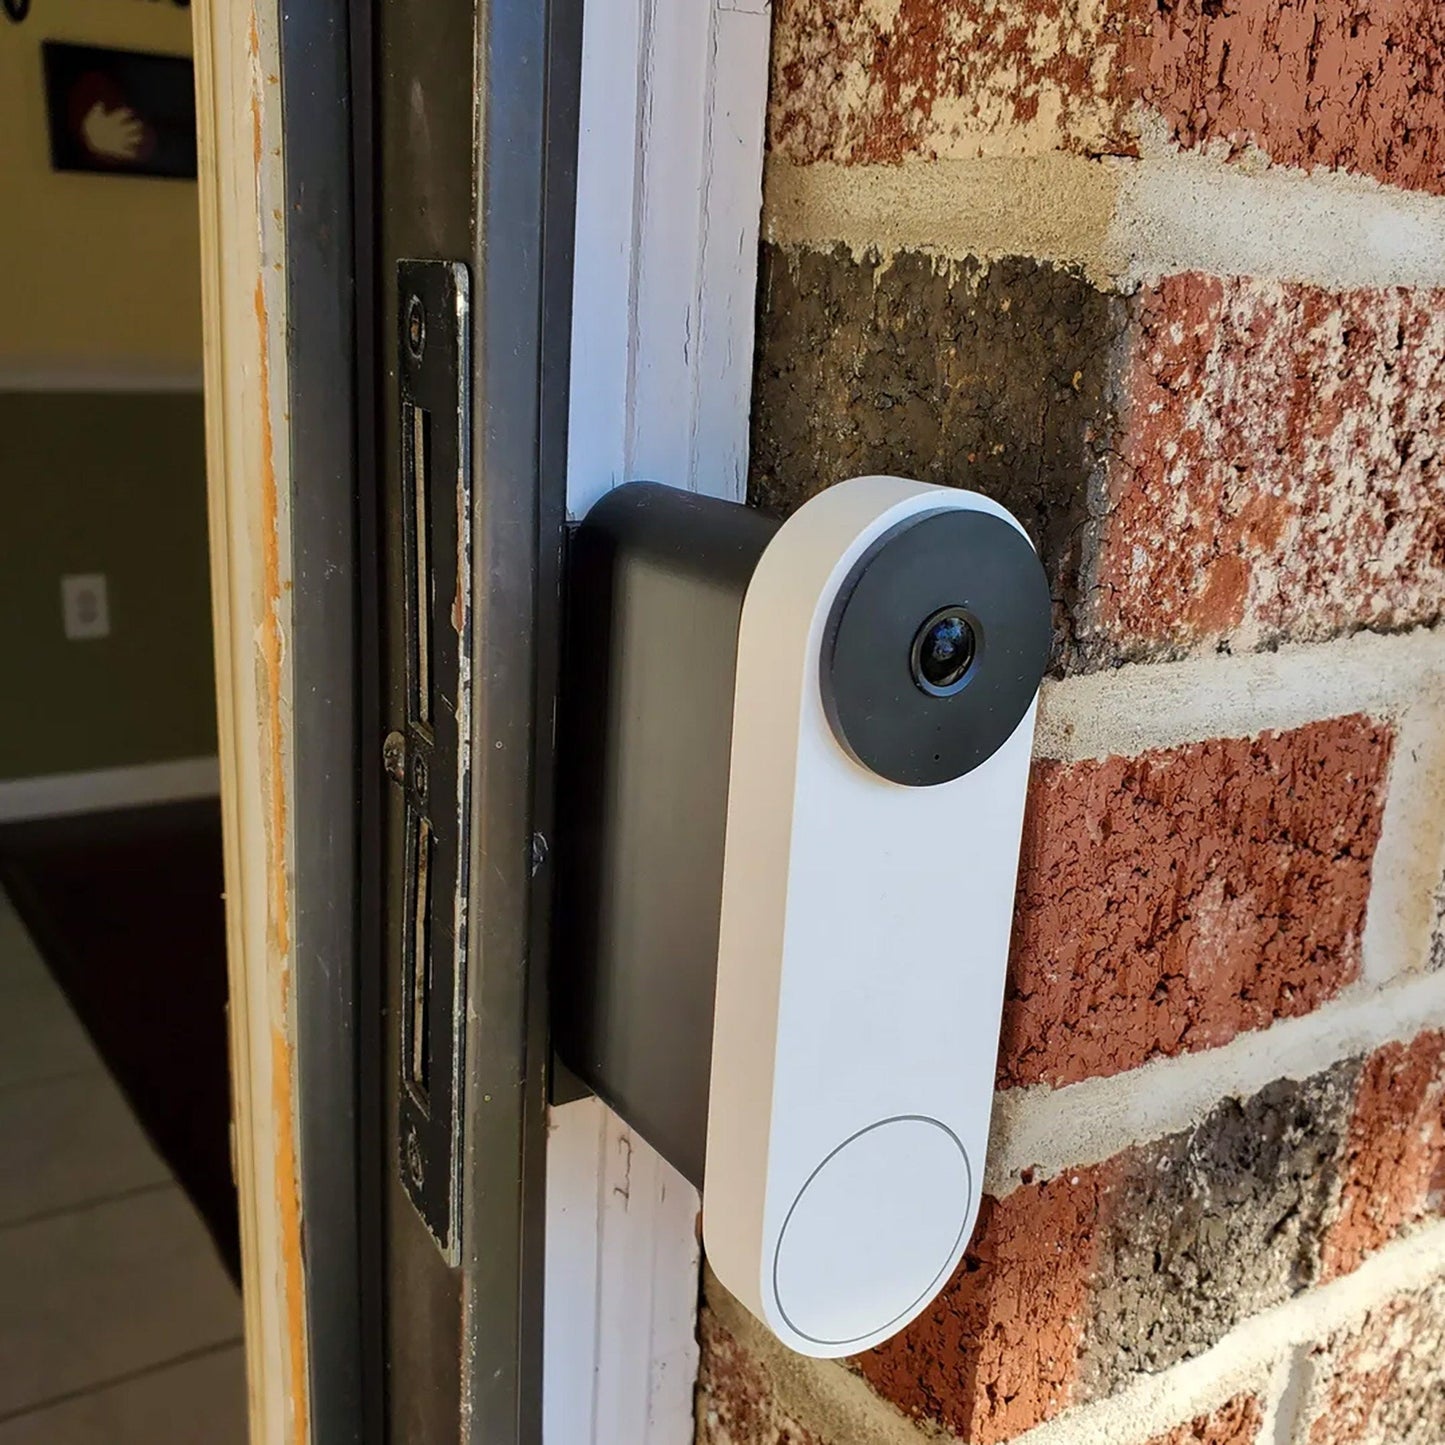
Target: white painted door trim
[(669, 192)]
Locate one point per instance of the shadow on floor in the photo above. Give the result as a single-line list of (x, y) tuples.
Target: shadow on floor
[(126, 908)]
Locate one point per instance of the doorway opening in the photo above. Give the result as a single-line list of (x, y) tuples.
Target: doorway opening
[(120, 1308)]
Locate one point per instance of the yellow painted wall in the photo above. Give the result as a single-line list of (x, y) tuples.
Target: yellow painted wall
[(84, 258)]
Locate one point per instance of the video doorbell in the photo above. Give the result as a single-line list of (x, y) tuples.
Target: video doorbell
[(793, 767)]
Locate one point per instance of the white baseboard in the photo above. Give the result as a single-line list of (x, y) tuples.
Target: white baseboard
[(56, 794), (98, 377)]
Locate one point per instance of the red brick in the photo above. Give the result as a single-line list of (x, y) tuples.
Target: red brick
[(1171, 901), (1236, 1423), (998, 1350), (1394, 1168), (1310, 82), (1339, 83), (1381, 1382), (1281, 467), (947, 77), (736, 1399)]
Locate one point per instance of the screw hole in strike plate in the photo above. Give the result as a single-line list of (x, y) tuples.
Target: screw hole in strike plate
[(415, 328)]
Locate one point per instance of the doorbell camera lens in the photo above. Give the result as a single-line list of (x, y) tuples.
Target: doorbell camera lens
[(943, 652), (922, 704)]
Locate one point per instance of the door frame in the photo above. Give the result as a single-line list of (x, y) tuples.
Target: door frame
[(324, 55), (291, 168), (673, 95), (248, 465), (284, 349)]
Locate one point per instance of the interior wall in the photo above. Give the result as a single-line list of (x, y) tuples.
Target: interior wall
[(102, 272), (102, 463), (113, 484)]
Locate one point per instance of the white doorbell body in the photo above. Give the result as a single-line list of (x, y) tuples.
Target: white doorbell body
[(827, 907), (866, 917)]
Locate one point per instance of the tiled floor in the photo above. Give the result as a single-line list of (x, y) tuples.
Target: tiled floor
[(118, 1324)]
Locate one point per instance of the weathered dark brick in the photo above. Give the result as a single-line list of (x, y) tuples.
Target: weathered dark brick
[(996, 378), (1075, 1286), (1210, 463), (1213, 1225)]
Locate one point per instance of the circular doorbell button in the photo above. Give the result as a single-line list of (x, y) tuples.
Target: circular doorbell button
[(936, 646), (874, 1230)]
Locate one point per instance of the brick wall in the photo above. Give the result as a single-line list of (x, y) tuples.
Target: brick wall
[(1168, 278)]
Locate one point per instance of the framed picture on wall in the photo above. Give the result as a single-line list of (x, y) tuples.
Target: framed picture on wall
[(120, 112)]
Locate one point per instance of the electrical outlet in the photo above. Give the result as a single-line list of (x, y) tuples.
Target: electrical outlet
[(84, 605)]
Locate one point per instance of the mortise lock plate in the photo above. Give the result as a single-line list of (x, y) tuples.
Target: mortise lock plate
[(428, 756)]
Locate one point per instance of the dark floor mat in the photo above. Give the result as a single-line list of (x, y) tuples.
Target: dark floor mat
[(126, 909)]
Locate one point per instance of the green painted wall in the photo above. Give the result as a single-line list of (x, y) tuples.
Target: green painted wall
[(113, 484)]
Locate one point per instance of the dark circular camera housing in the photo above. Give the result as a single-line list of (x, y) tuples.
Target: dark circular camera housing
[(944, 652), (936, 646)]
